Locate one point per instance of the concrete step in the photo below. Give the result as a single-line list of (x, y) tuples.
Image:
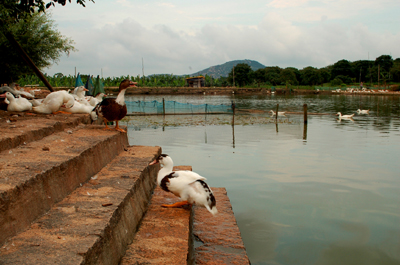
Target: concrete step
[(96, 222), (36, 175), (20, 128)]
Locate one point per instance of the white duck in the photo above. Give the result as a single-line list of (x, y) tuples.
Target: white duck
[(187, 185), (364, 111), (344, 116), (93, 101), (79, 95), (17, 104), (280, 113), (36, 102), (80, 108), (54, 101)]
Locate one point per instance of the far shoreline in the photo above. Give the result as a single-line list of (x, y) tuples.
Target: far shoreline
[(234, 90)]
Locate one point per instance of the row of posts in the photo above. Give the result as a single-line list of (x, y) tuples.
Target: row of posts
[(304, 109), (234, 107)]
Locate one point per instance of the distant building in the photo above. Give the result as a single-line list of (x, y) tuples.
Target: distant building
[(196, 81)]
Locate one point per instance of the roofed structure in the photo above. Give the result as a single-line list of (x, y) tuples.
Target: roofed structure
[(196, 81)]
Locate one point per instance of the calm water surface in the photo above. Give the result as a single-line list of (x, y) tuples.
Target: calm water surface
[(325, 194)]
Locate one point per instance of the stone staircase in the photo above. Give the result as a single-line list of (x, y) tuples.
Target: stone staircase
[(73, 193)]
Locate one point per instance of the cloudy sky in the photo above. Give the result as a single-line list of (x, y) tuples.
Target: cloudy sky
[(184, 36)]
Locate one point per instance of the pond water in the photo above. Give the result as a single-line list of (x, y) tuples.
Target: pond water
[(327, 193)]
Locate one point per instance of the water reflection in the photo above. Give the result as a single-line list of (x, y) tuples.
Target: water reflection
[(324, 192)]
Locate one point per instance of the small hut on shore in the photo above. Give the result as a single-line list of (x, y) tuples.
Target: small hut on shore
[(196, 81)]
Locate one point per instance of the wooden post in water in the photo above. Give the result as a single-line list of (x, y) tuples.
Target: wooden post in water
[(305, 122), (163, 106), (305, 132), (305, 113), (276, 114)]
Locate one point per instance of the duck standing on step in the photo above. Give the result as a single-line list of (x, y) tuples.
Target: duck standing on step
[(188, 185), (114, 109)]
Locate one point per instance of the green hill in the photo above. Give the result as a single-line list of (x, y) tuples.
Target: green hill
[(224, 69)]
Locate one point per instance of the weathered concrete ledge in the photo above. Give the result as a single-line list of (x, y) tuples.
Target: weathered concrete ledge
[(216, 240)]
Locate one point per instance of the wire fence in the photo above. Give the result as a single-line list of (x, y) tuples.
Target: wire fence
[(172, 107)]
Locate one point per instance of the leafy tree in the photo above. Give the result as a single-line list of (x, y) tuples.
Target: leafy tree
[(310, 76), (12, 12), (361, 69), (385, 62), (336, 82), (288, 76), (345, 79), (259, 75), (272, 75), (342, 67), (243, 73), (325, 74), (15, 10), (395, 70), (43, 44), (296, 72)]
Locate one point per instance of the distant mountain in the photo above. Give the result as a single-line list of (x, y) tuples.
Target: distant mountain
[(224, 69)]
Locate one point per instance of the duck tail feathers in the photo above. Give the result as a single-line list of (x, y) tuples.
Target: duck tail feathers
[(213, 210)]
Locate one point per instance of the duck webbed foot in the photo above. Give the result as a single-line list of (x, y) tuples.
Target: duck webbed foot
[(118, 128), (61, 112), (175, 205)]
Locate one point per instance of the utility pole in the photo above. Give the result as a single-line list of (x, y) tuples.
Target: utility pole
[(142, 72)]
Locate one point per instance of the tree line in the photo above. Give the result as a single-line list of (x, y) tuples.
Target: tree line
[(384, 69)]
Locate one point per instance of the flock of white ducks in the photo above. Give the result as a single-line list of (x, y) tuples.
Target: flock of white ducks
[(55, 102)]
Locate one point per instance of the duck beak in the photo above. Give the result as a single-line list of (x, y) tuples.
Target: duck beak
[(86, 89), (132, 84), (3, 95), (153, 163)]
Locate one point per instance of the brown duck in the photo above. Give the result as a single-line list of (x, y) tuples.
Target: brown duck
[(114, 109)]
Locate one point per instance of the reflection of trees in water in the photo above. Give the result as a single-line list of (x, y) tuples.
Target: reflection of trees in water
[(384, 110), (206, 120)]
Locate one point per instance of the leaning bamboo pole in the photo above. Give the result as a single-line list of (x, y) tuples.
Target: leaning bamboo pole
[(27, 59)]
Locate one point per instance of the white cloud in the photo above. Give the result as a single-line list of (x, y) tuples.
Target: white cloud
[(188, 38)]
